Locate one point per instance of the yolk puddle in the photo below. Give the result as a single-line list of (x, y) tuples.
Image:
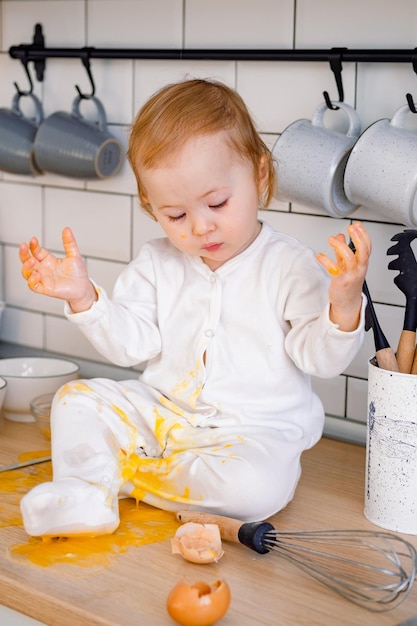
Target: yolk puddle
[(139, 525)]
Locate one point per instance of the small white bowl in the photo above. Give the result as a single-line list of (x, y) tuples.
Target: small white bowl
[(29, 377), (40, 407)]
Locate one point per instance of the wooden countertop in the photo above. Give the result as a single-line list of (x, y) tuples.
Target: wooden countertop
[(131, 590)]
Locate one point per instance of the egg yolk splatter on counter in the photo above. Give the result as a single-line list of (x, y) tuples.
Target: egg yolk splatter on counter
[(140, 524)]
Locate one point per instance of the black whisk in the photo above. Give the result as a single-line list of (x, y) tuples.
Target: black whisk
[(375, 569)]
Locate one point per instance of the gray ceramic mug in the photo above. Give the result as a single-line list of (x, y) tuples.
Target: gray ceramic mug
[(17, 135), (381, 172), (311, 160), (69, 145)]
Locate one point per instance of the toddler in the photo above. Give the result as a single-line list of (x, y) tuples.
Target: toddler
[(231, 317)]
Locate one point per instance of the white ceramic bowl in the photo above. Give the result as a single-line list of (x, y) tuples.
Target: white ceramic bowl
[(3, 386), (29, 377)]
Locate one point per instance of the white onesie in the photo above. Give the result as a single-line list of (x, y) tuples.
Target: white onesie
[(219, 418)]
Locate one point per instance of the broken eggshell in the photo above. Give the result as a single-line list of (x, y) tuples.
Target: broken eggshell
[(198, 543), (198, 604)]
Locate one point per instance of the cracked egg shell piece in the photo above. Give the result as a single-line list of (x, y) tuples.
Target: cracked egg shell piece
[(198, 543), (198, 604)]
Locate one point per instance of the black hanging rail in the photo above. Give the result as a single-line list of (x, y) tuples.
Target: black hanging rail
[(30, 53), (37, 53)]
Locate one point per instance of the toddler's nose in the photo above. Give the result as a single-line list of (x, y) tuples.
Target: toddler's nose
[(202, 223)]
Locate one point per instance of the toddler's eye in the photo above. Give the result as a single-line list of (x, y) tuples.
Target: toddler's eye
[(217, 206), (175, 218)]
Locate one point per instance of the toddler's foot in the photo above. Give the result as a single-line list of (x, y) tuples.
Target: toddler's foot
[(69, 506)]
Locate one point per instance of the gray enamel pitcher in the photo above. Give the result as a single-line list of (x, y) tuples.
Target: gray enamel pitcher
[(69, 145), (311, 159), (17, 136)]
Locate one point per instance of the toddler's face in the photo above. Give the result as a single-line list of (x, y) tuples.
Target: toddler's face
[(206, 199)]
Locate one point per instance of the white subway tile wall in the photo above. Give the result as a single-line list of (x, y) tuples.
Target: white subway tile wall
[(105, 215)]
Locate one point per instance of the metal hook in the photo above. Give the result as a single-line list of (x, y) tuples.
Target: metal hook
[(30, 90), (335, 59), (38, 44), (39, 64), (409, 97), (85, 58)]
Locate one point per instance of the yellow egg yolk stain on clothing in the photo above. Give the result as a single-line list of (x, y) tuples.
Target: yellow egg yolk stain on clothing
[(164, 426), (224, 447), (171, 406), (64, 390), (193, 397), (182, 386), (125, 454), (129, 466), (122, 415), (139, 524), (156, 476)]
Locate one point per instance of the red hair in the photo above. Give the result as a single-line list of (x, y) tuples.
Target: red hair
[(187, 109)]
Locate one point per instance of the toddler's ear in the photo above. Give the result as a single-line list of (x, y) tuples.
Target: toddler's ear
[(263, 174), (145, 204)]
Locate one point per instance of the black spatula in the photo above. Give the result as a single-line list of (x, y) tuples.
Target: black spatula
[(406, 281), (384, 354)]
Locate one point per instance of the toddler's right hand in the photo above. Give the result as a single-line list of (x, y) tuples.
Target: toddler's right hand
[(64, 278)]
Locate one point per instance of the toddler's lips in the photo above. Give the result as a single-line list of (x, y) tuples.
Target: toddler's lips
[(212, 247)]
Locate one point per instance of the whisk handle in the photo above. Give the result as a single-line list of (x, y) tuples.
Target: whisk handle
[(250, 534), (228, 526)]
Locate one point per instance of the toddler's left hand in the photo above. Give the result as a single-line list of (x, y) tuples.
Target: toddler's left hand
[(347, 273)]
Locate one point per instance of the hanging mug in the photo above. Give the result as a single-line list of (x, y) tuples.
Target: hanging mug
[(381, 172), (69, 145), (17, 135), (311, 160)]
